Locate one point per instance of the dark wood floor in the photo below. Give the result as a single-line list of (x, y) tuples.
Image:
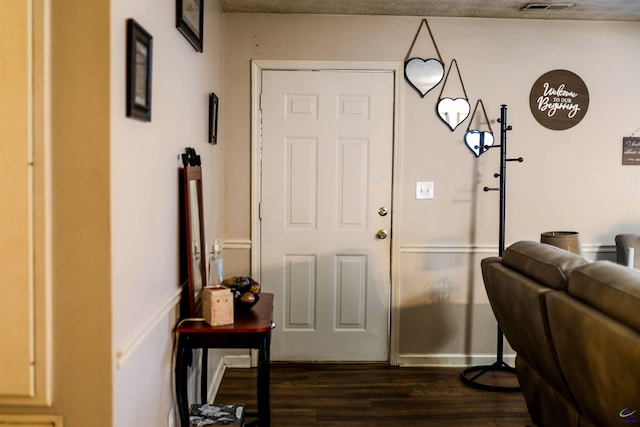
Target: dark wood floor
[(375, 395)]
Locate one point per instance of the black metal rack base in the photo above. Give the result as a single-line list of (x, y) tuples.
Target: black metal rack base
[(473, 374)]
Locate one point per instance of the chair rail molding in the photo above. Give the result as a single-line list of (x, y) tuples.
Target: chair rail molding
[(445, 249), (243, 244), (125, 351), (592, 249)]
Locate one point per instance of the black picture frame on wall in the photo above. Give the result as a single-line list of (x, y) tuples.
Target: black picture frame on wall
[(213, 119), (189, 21), (139, 66)]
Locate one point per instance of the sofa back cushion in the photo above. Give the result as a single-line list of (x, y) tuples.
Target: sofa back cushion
[(595, 329), (611, 288), (549, 265)]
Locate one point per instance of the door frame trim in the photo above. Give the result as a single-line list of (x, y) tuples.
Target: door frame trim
[(397, 68)]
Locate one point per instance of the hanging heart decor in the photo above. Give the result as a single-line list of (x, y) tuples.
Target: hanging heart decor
[(453, 111), (479, 141), (423, 74)]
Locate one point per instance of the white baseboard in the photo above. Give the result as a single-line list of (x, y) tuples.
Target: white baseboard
[(237, 361), (441, 360), (451, 360), (216, 381), (229, 361)]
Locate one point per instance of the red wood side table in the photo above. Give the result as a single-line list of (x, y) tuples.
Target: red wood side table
[(251, 329)]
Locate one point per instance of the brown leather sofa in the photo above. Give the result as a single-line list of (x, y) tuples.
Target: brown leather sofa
[(575, 326)]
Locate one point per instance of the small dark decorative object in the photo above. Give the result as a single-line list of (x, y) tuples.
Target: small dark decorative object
[(139, 55), (189, 21), (246, 291), (190, 157), (213, 118)]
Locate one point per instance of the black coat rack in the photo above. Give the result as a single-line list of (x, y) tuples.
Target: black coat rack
[(499, 365)]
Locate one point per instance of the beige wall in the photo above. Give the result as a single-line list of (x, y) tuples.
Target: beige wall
[(144, 200), (570, 179)]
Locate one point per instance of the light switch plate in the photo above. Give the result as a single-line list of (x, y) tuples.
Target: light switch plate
[(424, 190)]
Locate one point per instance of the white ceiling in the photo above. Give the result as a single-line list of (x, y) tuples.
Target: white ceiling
[(600, 10)]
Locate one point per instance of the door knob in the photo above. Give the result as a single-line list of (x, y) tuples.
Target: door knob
[(382, 234), (383, 211)]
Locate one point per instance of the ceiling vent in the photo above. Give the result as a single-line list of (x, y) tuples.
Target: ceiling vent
[(547, 6)]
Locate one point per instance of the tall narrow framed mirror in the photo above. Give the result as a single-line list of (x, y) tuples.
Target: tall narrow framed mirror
[(192, 246)]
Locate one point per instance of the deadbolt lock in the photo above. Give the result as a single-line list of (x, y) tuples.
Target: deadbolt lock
[(383, 211)]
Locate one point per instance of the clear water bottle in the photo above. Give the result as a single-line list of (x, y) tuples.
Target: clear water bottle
[(215, 264)]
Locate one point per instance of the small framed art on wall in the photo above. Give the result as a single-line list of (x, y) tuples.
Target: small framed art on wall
[(139, 61), (213, 118), (189, 21)]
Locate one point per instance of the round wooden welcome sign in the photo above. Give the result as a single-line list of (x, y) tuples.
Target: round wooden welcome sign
[(559, 99)]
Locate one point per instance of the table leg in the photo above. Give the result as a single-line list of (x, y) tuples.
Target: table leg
[(181, 384), (204, 375), (264, 410)]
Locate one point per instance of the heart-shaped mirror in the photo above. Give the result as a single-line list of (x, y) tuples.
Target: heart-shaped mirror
[(478, 141), (423, 74), (453, 111)]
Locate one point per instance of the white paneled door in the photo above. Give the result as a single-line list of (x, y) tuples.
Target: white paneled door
[(327, 147)]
